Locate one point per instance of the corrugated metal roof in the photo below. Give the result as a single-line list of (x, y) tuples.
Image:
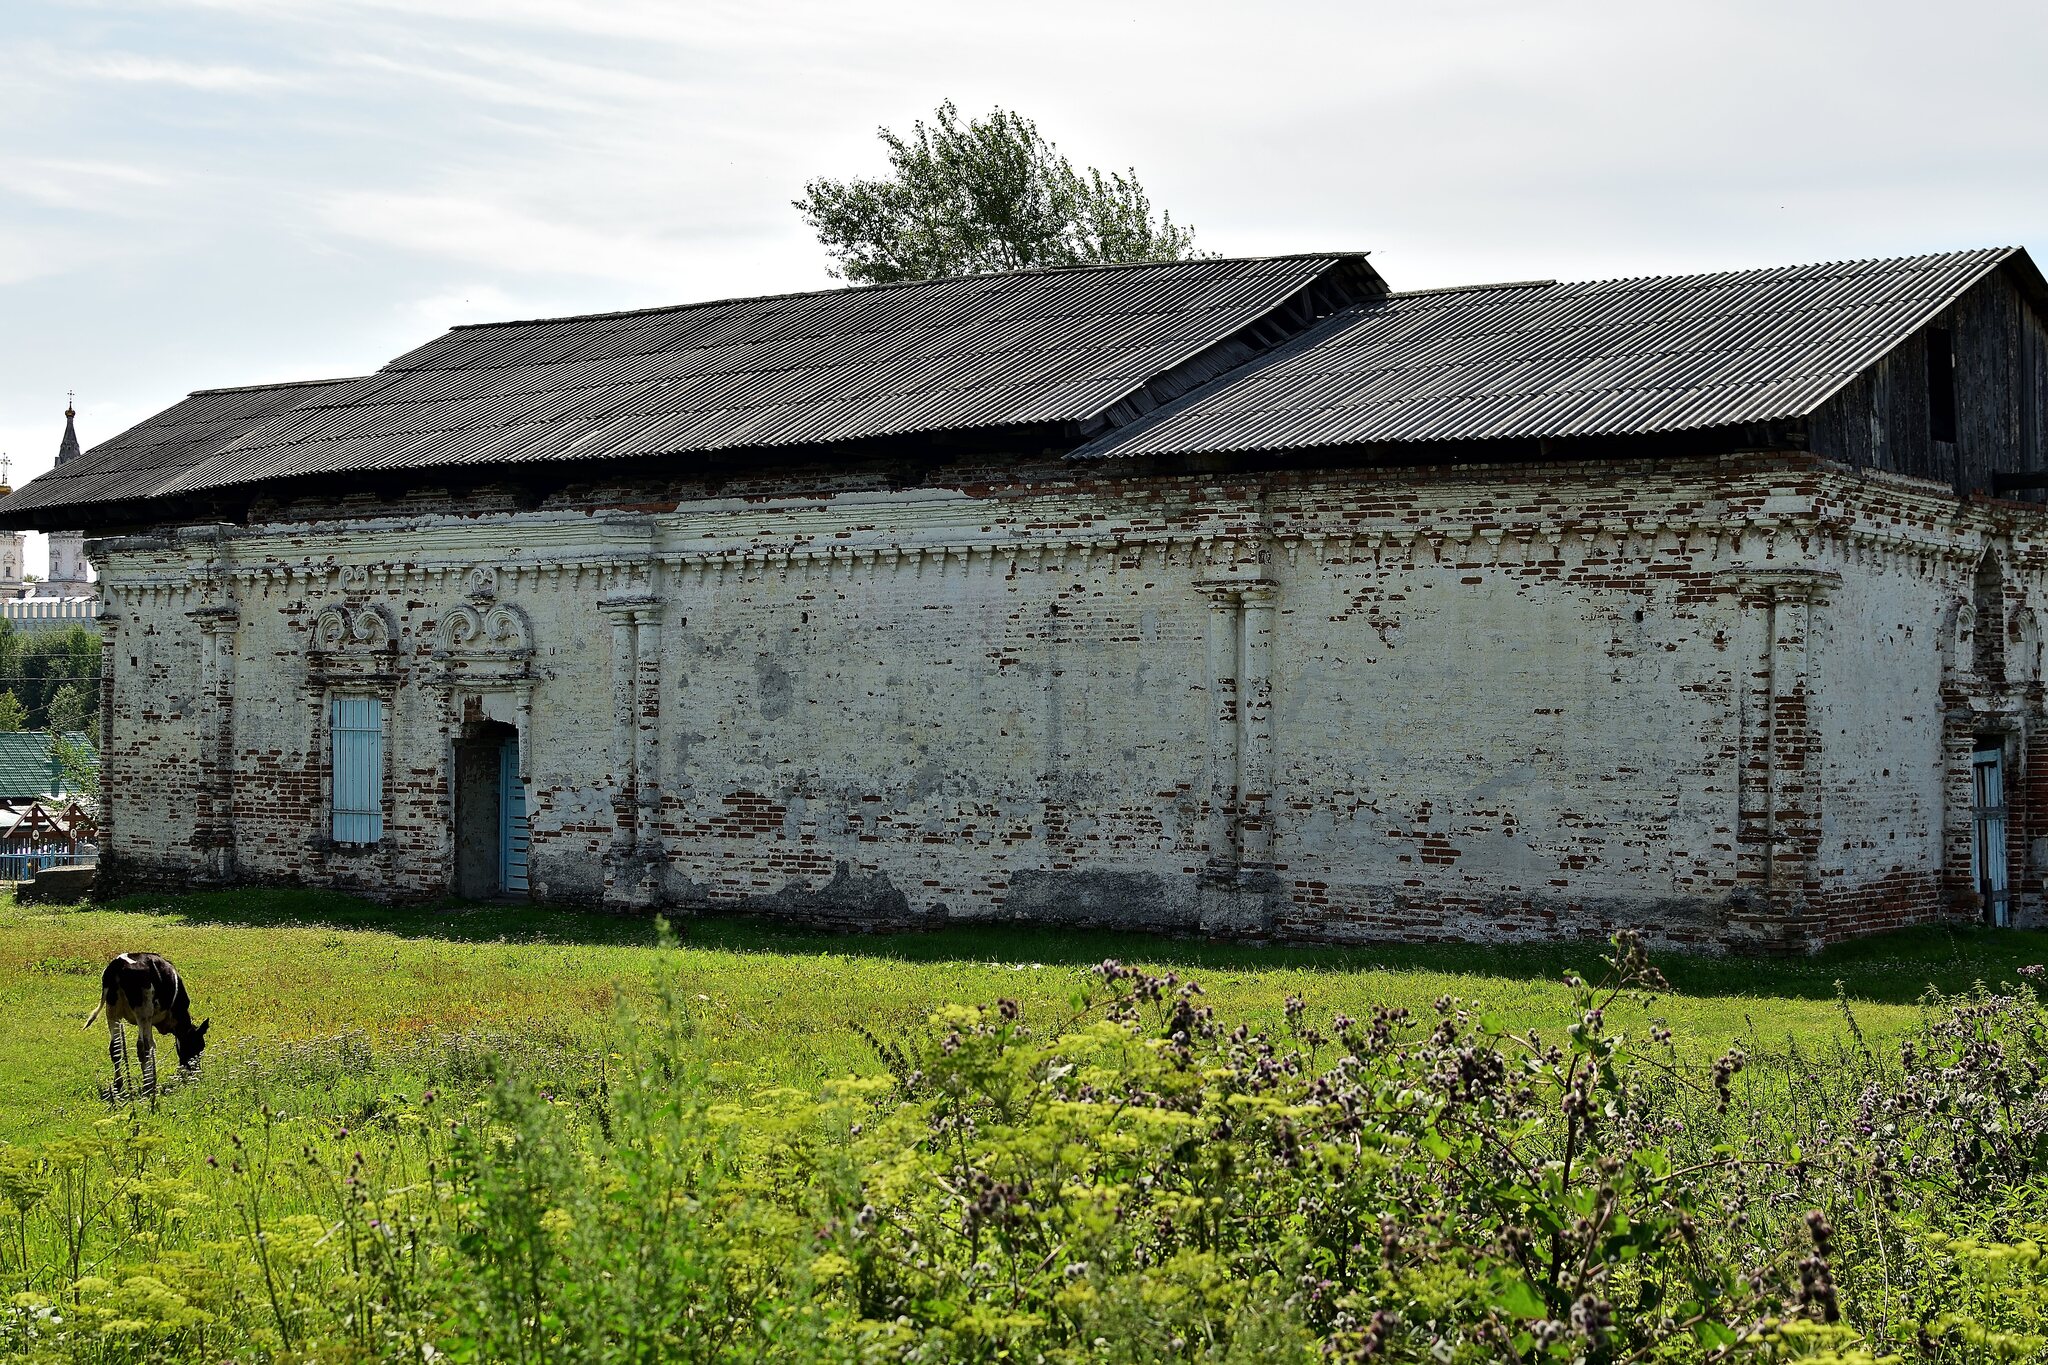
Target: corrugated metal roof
[(143, 459), (1082, 346), (1541, 359), (977, 352), (1077, 349), (26, 766)]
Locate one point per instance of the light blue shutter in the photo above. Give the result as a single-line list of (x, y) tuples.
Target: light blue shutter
[(512, 832), (358, 796)]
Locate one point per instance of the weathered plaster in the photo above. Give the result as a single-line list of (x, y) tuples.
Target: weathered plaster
[(1708, 697)]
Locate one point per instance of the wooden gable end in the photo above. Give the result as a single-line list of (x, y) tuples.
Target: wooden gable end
[(1895, 417)]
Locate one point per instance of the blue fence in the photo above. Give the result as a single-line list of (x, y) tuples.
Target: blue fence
[(19, 865)]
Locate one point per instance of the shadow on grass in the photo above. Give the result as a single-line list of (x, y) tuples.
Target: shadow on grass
[(1897, 967)]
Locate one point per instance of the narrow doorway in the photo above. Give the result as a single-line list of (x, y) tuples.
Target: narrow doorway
[(490, 813), (1987, 812)]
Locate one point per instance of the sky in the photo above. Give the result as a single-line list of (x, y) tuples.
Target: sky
[(199, 193)]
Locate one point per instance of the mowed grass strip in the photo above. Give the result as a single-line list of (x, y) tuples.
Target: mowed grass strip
[(778, 1006)]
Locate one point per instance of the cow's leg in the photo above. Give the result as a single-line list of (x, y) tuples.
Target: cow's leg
[(117, 1049), (145, 1048)]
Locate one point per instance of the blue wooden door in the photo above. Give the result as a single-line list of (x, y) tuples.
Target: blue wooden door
[(512, 838), (1988, 810)]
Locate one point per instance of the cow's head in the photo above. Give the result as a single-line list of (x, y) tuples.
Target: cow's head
[(191, 1042)]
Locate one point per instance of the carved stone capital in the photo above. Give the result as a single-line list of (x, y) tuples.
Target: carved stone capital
[(1231, 589), (1783, 585), (630, 608), (217, 620)]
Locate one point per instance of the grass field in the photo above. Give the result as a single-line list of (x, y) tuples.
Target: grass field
[(285, 970), (490, 1133)]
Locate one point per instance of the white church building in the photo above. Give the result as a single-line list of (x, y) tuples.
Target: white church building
[(68, 595)]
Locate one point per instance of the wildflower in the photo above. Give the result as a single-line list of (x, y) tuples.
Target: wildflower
[(1725, 1071)]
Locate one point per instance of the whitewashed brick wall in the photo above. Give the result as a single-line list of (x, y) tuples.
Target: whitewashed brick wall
[(1707, 697)]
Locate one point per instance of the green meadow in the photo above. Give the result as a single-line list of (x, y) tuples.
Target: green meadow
[(292, 969), (485, 1133)]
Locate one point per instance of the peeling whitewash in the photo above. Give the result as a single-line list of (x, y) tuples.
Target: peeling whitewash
[(1723, 699)]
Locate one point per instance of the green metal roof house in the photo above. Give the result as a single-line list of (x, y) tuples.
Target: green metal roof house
[(27, 769)]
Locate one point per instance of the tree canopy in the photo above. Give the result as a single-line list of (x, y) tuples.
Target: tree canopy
[(71, 710), (78, 763), (35, 666), (987, 194)]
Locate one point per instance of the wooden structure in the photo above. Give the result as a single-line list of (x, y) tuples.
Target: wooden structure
[(35, 835)]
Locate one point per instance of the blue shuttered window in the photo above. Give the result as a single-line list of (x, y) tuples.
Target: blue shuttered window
[(358, 796)]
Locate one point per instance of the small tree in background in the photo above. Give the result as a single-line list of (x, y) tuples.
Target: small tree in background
[(79, 764), (986, 195), (70, 710), (13, 715)]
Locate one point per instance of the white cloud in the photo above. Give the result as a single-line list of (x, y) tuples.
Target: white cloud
[(457, 305), (122, 66), (470, 83), (699, 23), (503, 236), (96, 186)]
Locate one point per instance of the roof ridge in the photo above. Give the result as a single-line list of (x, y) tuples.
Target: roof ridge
[(1469, 288), (280, 384), (1997, 253), (916, 284)]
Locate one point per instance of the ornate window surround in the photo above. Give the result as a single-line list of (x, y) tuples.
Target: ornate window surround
[(353, 652)]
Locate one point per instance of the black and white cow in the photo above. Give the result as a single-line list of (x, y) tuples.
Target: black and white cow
[(145, 990)]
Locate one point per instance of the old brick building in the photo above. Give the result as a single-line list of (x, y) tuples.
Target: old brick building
[(1234, 596)]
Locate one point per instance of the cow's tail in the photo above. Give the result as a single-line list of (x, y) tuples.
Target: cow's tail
[(90, 1018)]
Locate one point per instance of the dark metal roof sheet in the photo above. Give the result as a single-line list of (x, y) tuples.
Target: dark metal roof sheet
[(1174, 358), (979, 352), (1541, 359), (1078, 347), (143, 459)]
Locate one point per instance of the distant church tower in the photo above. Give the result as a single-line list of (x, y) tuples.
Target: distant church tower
[(70, 575), (13, 544)]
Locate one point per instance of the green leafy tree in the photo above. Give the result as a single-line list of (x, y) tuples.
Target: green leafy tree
[(983, 195), (58, 656), (37, 665), (79, 764), (70, 710), (11, 641), (13, 715)]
